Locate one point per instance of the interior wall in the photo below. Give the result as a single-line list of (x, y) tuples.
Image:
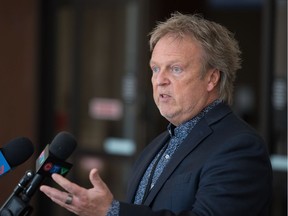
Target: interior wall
[(18, 42)]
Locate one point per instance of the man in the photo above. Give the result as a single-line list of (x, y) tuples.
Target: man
[(208, 162)]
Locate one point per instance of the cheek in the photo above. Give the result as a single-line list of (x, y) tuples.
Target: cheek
[(153, 83), (154, 92), (190, 90), (154, 88)]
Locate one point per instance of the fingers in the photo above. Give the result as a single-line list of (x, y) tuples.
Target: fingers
[(54, 194), (59, 197), (66, 184), (79, 200)]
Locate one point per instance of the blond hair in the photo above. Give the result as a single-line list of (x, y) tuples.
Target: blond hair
[(221, 50)]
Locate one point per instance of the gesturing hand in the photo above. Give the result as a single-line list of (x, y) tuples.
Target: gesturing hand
[(81, 201)]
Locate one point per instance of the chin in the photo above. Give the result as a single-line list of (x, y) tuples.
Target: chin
[(167, 116)]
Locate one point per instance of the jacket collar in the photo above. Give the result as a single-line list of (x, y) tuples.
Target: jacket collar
[(200, 132)]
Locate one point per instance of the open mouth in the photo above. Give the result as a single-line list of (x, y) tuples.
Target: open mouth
[(164, 96)]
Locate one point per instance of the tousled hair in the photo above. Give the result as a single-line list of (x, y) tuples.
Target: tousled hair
[(221, 50)]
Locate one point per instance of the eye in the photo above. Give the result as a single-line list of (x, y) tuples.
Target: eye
[(155, 69), (176, 69)]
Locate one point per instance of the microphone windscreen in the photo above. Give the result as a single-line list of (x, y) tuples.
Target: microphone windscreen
[(17, 151), (63, 145)]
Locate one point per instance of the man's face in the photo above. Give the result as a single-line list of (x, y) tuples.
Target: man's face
[(179, 91)]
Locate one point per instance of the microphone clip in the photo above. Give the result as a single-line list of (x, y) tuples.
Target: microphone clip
[(15, 205)]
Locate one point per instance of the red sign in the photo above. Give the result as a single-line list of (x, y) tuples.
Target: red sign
[(106, 109)]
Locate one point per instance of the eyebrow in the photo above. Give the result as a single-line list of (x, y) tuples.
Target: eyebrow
[(151, 62)]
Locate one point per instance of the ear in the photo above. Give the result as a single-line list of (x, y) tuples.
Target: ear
[(213, 79)]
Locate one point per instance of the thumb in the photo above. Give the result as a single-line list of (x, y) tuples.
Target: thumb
[(95, 179), (103, 197)]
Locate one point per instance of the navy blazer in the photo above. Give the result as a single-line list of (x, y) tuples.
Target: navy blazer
[(221, 168)]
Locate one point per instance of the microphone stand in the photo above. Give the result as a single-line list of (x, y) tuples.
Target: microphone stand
[(16, 205)]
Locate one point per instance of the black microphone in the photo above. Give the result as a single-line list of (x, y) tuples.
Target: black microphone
[(14, 153), (51, 160)]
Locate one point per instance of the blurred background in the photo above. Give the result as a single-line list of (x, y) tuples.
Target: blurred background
[(82, 66)]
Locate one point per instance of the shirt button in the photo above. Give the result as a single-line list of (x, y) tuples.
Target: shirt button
[(167, 156)]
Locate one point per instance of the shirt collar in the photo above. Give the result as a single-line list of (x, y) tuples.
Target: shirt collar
[(184, 129)]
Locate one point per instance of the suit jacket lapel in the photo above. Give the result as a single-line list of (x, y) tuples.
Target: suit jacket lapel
[(143, 163), (188, 145), (201, 130)]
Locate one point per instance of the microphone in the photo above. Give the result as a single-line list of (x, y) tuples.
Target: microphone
[(52, 160), (14, 153)]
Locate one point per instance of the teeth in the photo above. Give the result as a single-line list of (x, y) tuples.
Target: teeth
[(163, 95)]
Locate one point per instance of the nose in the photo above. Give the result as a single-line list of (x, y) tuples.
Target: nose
[(160, 78)]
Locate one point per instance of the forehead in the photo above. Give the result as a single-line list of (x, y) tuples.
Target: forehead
[(172, 47)]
